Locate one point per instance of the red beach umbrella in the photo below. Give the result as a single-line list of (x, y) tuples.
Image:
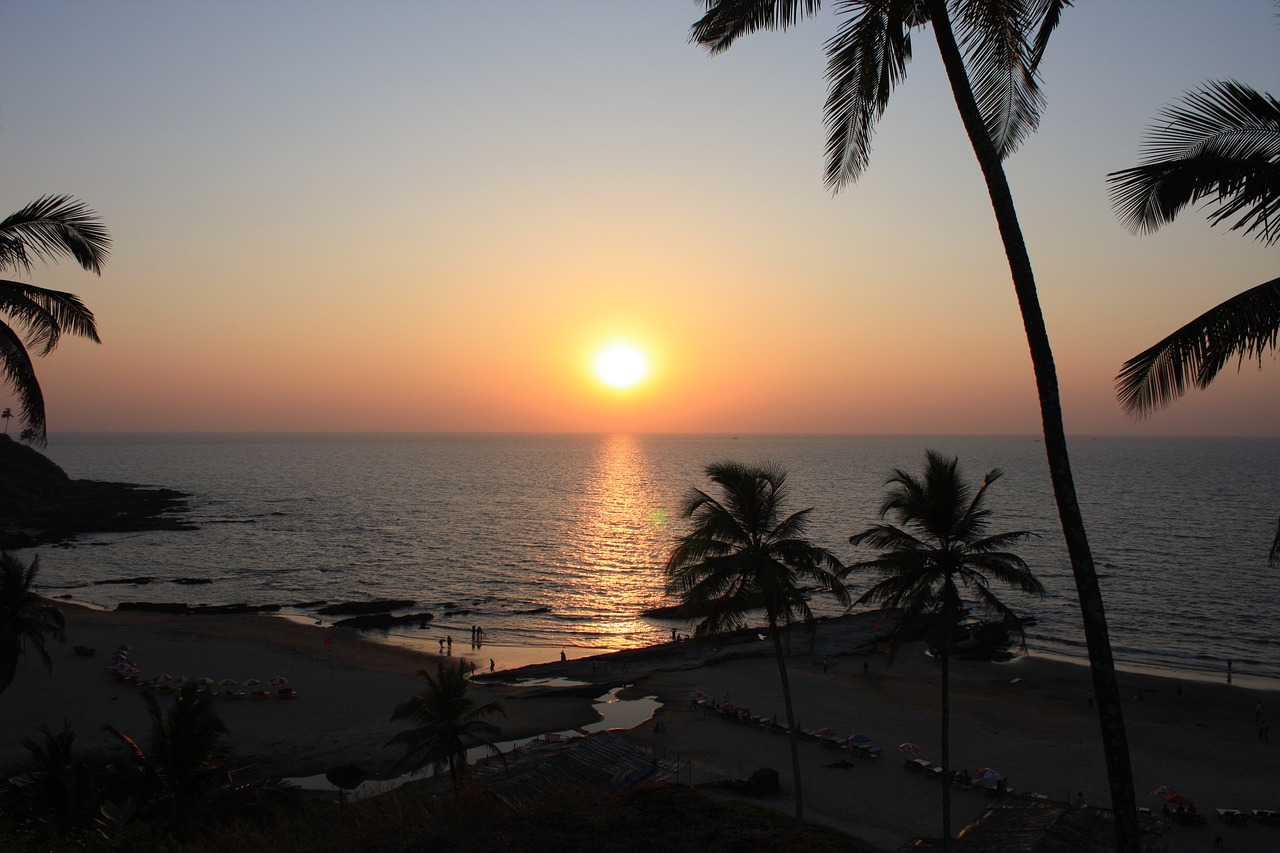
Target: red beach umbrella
[(910, 748), (989, 773), (1177, 800), (1161, 790), (277, 681)]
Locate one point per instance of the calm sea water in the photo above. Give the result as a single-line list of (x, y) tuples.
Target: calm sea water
[(558, 541)]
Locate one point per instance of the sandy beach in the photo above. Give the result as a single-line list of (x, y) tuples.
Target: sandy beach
[(1030, 719)]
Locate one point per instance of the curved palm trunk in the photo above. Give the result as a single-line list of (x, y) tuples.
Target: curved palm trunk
[(948, 617), (792, 739), (1114, 740)]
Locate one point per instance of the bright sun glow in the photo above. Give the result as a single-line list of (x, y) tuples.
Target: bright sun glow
[(621, 365)]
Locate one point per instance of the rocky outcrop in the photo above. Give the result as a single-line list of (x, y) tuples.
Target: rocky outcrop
[(40, 504)]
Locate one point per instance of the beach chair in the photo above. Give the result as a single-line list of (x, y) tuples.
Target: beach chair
[(287, 693)]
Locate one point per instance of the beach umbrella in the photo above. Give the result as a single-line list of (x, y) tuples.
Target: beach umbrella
[(989, 773), (698, 696), (164, 676), (1161, 790), (228, 682), (859, 738), (277, 681), (826, 730), (910, 748), (1177, 800), (252, 682), (207, 681)]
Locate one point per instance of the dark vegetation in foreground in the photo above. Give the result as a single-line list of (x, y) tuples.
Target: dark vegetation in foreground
[(666, 817)]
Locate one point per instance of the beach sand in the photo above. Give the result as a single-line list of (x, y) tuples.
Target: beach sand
[(1030, 719)]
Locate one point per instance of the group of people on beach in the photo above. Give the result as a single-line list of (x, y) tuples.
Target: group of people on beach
[(477, 640)]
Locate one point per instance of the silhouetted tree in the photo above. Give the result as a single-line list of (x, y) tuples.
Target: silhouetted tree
[(939, 550), (448, 724), (992, 69), (744, 555), (27, 621)]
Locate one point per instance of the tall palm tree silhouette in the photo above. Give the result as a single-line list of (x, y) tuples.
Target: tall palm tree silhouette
[(742, 555), (991, 51), (940, 549)]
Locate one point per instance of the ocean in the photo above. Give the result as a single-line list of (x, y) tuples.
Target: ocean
[(553, 542)]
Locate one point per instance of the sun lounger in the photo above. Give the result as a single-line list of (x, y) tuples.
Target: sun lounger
[(932, 771), (261, 694), (287, 693), (917, 765), (1233, 816)]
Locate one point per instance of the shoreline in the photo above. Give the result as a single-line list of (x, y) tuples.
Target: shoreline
[(1029, 718), (522, 654)]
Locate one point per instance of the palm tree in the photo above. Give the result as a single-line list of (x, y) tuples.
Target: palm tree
[(51, 227), (1221, 146), (744, 555), (992, 70), (26, 619), (940, 551), (61, 785), (186, 759), (448, 724)]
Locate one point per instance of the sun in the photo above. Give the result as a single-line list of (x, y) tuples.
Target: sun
[(621, 365)]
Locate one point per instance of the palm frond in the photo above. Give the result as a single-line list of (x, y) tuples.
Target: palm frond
[(999, 60), (1221, 146), (726, 20), (19, 374), (50, 227), (1049, 14), (866, 59), (1242, 327), (46, 314)]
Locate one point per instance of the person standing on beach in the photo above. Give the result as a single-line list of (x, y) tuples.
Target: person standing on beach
[(1257, 713), (449, 642)]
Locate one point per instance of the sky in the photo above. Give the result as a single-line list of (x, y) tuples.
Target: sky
[(430, 216)]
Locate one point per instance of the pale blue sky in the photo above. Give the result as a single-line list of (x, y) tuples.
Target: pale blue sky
[(425, 216)]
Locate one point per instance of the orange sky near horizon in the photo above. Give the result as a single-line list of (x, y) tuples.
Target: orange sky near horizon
[(351, 219)]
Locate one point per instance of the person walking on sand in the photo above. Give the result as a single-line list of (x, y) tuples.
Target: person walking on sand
[(449, 642), (1257, 713), (491, 664)]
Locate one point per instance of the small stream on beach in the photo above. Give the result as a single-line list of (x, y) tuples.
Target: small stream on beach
[(615, 713)]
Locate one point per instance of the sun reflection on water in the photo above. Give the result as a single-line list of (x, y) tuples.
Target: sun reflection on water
[(617, 543)]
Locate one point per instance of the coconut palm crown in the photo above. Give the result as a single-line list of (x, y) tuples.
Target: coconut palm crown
[(34, 318), (744, 555), (939, 550), (1221, 146)]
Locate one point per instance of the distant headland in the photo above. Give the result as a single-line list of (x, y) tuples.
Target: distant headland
[(40, 504)]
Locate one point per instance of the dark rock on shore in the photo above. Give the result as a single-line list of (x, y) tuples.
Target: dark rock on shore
[(40, 504), (357, 608), (383, 620), (184, 609)]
